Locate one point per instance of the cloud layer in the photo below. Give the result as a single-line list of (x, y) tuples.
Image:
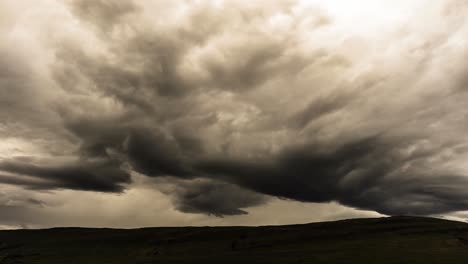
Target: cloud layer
[(224, 105)]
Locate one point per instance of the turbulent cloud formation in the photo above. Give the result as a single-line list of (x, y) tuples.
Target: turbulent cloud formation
[(102, 176), (227, 104), (212, 197)]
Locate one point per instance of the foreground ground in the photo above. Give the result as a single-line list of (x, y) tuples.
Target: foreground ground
[(381, 240)]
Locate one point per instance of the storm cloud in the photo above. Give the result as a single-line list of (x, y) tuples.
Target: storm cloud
[(228, 105)]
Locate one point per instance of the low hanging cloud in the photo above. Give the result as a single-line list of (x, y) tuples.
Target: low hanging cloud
[(209, 196), (101, 175), (232, 103)]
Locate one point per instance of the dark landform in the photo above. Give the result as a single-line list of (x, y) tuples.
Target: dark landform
[(400, 239)]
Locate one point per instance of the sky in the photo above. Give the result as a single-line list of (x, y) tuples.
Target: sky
[(174, 113)]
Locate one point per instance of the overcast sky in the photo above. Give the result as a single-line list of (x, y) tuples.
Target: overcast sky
[(124, 113)]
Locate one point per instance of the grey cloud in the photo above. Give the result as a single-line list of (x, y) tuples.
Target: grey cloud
[(150, 150), (17, 82), (155, 57), (320, 107), (154, 154), (360, 169), (103, 13), (100, 175), (212, 197), (7, 199), (262, 101), (365, 174)]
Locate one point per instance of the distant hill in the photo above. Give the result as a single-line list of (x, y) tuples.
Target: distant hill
[(377, 240)]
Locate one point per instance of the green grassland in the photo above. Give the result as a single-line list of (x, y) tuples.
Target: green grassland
[(379, 240)]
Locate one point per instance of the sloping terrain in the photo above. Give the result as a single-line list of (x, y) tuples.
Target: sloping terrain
[(379, 240)]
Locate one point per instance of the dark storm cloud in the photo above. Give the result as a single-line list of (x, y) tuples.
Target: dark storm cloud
[(212, 197), (102, 176), (305, 173), (366, 171), (366, 174), (154, 154), (233, 103), (155, 57), (150, 150)]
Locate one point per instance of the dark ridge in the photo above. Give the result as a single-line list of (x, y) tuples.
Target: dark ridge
[(400, 239)]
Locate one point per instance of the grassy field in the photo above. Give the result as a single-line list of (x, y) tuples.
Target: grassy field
[(380, 240)]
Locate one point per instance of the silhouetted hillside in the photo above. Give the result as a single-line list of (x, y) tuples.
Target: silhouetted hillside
[(380, 240)]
